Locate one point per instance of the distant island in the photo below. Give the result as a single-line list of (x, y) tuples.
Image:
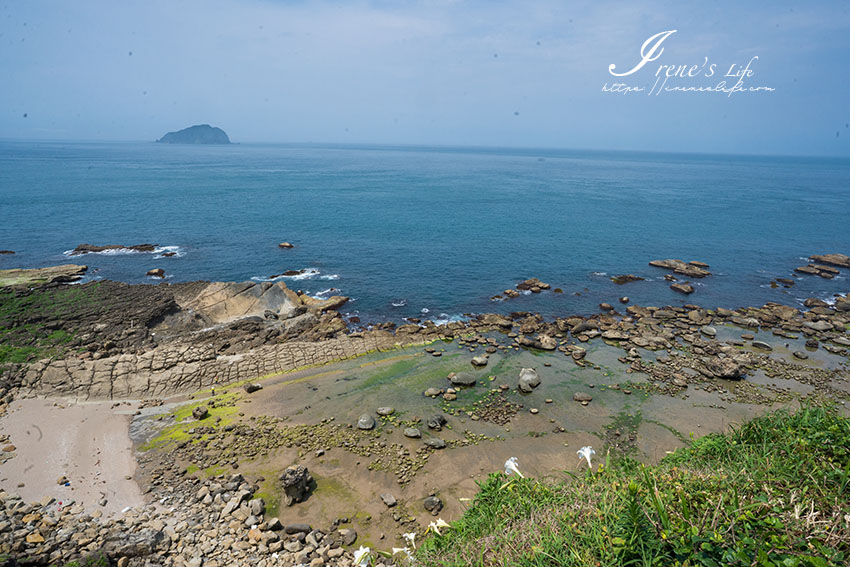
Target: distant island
[(200, 134)]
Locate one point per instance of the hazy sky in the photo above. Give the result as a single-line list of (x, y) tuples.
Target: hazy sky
[(433, 72)]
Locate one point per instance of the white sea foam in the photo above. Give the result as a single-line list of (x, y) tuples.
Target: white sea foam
[(445, 319), (306, 274), (424, 310), (399, 303), (159, 250), (325, 293), (600, 273), (329, 277)]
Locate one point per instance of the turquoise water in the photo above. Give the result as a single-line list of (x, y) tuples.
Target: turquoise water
[(401, 229)]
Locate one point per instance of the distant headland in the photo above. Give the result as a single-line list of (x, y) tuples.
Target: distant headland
[(200, 134)]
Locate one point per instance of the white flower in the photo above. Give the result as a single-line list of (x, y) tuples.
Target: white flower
[(410, 538), (585, 453), (361, 556), (435, 526), (405, 550), (511, 467)]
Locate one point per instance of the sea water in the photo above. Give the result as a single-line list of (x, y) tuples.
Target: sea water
[(431, 232)]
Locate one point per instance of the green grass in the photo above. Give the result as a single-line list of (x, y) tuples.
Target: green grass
[(773, 493)]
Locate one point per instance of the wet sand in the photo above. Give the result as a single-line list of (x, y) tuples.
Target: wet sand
[(86, 442)]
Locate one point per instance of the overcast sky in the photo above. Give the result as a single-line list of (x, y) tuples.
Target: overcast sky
[(433, 72)]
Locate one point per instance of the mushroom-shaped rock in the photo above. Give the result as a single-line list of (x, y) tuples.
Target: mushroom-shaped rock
[(296, 483)]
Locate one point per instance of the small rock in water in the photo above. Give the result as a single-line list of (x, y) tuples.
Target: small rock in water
[(528, 380), (479, 361), (385, 411), (762, 345), (800, 354), (366, 422), (465, 379), (687, 289), (285, 245), (156, 273), (708, 331), (582, 397)]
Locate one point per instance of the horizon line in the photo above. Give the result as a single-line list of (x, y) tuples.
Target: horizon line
[(411, 145)]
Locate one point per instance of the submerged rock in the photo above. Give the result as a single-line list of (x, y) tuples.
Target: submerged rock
[(625, 278), (465, 379), (94, 249), (692, 269)]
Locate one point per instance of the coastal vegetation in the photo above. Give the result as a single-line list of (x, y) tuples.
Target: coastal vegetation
[(772, 492)]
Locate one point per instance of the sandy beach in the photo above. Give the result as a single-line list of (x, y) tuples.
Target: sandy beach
[(88, 443)]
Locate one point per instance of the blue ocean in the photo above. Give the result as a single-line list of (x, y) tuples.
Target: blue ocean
[(431, 232)]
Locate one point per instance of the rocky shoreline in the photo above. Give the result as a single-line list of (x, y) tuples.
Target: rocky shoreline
[(112, 341)]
